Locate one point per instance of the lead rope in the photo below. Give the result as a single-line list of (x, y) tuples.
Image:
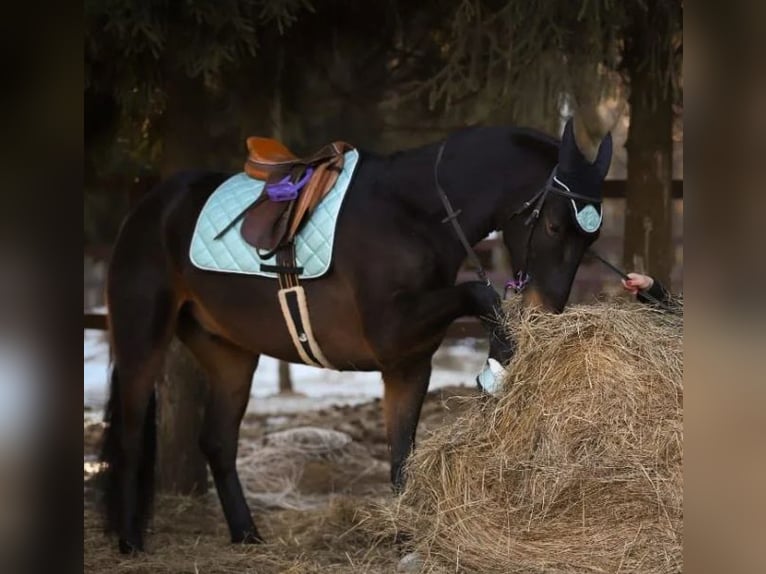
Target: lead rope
[(624, 275), (452, 218)]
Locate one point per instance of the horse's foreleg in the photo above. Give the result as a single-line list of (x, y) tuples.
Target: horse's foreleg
[(486, 305), (404, 390), (230, 371)]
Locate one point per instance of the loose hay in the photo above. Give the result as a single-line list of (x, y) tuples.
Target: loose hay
[(272, 473), (190, 537), (574, 467)]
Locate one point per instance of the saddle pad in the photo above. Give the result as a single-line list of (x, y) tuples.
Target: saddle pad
[(231, 254)]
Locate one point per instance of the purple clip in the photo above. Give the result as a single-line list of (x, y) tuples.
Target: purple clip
[(519, 283), (284, 190)]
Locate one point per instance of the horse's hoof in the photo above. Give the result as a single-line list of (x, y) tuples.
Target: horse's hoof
[(130, 547), (251, 537), (491, 377), (410, 563)]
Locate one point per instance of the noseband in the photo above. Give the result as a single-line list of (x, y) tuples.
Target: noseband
[(553, 185)]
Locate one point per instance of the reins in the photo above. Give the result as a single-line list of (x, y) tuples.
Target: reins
[(624, 275), (452, 216)]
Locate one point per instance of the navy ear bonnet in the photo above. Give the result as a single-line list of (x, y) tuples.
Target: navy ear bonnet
[(576, 172)]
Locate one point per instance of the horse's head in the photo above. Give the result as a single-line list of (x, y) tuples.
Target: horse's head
[(547, 236)]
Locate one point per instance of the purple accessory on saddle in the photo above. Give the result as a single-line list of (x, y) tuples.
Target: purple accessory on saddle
[(518, 283), (285, 190)]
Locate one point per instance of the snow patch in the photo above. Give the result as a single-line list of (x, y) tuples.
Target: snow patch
[(455, 363)]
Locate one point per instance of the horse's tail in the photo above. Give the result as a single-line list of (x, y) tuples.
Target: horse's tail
[(112, 457), (142, 307)]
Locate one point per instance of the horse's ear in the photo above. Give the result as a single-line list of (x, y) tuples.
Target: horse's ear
[(576, 151), (569, 148), (578, 170), (604, 158), (573, 154)]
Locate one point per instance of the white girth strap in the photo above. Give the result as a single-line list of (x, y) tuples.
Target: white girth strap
[(296, 313)]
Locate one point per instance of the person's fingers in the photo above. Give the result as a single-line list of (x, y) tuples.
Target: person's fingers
[(628, 286), (639, 281)]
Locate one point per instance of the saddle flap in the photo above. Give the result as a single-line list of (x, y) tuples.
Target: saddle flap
[(265, 224)]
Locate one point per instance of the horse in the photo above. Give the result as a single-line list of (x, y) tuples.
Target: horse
[(385, 305)]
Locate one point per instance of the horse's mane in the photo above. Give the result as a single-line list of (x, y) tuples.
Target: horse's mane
[(546, 144)]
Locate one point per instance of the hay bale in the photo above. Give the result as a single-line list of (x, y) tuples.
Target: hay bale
[(576, 466)]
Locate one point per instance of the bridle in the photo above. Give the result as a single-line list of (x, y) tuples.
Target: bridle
[(553, 184), (522, 277)]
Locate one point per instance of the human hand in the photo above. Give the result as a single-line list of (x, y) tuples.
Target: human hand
[(637, 282)]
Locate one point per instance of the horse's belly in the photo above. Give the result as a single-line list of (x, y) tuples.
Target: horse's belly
[(252, 318)]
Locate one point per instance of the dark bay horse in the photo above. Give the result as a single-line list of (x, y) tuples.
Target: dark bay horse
[(385, 305)]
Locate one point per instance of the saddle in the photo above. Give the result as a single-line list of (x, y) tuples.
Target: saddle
[(294, 187)]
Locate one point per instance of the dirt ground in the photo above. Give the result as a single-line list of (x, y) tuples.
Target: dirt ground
[(315, 514)]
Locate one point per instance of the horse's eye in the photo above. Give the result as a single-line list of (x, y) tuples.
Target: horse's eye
[(553, 228)]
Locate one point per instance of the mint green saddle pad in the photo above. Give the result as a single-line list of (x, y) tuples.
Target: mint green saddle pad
[(231, 254)]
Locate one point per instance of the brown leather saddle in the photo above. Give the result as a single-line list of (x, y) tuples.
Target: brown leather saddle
[(294, 187)]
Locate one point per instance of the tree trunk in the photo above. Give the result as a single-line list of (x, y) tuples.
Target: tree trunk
[(181, 393), (181, 467), (185, 138), (648, 246), (285, 380), (277, 119)]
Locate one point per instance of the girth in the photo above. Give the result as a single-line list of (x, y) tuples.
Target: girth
[(293, 188)]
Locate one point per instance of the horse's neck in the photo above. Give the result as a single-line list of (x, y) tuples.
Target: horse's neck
[(487, 179), (484, 177), (471, 194)]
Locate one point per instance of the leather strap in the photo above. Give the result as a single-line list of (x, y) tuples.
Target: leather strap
[(452, 216), (288, 275)]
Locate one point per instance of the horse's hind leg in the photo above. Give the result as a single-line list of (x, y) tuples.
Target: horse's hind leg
[(142, 311), (230, 374)]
